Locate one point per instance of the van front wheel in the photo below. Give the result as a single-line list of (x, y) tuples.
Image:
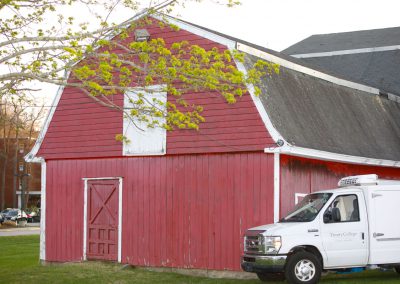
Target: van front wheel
[(303, 268)]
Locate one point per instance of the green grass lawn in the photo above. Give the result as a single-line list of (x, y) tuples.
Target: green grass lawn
[(19, 264)]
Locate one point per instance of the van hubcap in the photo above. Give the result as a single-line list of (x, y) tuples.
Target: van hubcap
[(304, 270)]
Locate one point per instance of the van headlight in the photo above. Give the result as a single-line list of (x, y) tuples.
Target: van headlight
[(272, 244)]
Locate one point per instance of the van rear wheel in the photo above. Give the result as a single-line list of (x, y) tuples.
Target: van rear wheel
[(303, 268)]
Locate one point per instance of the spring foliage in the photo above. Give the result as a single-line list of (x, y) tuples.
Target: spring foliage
[(107, 61)]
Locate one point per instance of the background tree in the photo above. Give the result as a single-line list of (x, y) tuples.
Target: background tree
[(18, 124)]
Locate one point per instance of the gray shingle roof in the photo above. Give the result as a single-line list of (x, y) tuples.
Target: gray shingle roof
[(312, 113), (376, 69), (379, 69), (346, 41)]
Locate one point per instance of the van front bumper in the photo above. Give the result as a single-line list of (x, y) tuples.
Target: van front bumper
[(263, 263)]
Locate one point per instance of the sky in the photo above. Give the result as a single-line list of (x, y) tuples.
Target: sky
[(278, 24)]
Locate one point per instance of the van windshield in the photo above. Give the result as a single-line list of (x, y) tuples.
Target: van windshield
[(308, 208)]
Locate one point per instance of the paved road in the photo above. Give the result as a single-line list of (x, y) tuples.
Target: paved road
[(29, 230)]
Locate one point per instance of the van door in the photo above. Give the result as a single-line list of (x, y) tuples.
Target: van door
[(344, 231), (385, 226)]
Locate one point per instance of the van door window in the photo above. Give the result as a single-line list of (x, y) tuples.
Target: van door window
[(343, 209)]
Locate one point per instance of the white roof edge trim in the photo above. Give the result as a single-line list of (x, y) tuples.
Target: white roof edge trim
[(198, 31), (329, 156), (296, 67), (31, 156), (347, 51), (260, 108)]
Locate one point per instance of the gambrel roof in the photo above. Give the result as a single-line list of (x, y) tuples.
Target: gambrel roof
[(310, 112)]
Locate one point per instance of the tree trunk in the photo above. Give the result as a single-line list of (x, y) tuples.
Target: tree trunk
[(3, 183), (15, 171)]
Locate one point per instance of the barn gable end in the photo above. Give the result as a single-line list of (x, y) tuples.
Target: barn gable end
[(81, 128)]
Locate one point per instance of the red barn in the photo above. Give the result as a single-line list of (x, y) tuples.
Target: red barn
[(184, 198)]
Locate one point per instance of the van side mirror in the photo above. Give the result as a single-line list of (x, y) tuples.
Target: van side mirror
[(336, 215)]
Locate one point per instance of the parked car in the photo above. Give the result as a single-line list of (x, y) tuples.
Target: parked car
[(33, 214), (3, 214), (5, 211), (16, 215)]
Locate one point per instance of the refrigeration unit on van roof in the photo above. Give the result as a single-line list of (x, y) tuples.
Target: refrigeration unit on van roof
[(358, 180)]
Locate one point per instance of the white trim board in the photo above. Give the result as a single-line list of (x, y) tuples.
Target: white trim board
[(329, 156), (120, 179), (347, 51), (297, 67), (119, 220), (42, 254), (94, 178), (85, 191), (277, 187)]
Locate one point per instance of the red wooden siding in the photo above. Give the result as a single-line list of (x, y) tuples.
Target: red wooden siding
[(300, 175), (227, 128), (81, 128), (178, 211)]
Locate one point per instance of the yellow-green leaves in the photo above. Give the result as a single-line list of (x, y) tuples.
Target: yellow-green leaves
[(180, 67), (84, 72), (122, 138), (105, 72), (95, 88), (232, 3), (103, 64)]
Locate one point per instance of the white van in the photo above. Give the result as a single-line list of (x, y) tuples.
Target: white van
[(354, 227)]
